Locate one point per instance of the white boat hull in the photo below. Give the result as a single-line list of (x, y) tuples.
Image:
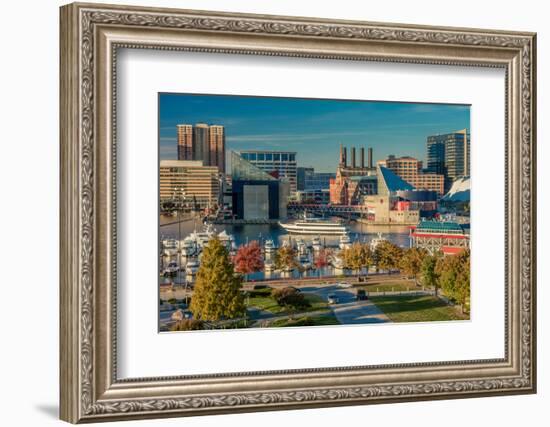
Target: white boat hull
[(313, 229)]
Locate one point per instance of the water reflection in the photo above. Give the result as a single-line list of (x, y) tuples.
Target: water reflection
[(171, 229)]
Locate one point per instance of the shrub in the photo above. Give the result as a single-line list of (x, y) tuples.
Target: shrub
[(264, 292), (290, 297), (188, 325)]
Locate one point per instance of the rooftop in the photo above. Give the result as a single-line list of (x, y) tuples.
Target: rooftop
[(439, 226), (267, 151), (182, 164), (244, 170), (392, 181)]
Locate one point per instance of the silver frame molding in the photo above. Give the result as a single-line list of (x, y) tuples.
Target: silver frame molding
[(90, 37)]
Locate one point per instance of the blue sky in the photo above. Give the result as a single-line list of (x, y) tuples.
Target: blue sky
[(314, 128)]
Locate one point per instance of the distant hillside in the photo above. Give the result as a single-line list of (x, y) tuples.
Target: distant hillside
[(459, 192)]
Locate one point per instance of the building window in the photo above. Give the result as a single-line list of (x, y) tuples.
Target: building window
[(261, 156), (269, 157), (284, 157), (277, 157), (292, 157)]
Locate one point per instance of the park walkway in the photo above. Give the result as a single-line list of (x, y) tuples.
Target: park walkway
[(359, 313)]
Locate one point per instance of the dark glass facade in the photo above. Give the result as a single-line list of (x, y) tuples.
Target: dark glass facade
[(240, 202), (436, 154), (449, 155)]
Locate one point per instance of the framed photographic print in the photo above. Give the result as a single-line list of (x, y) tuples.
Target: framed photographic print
[(264, 212)]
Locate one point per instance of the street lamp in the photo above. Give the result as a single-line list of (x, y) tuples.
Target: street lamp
[(179, 200)]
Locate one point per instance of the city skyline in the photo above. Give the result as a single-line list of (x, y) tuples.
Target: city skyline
[(314, 128)]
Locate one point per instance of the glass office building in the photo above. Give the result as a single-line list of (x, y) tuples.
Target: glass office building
[(279, 164), (256, 194), (449, 155)]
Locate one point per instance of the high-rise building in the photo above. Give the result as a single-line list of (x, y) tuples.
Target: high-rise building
[(406, 167), (279, 164), (449, 154), (410, 169), (202, 142), (318, 180), (217, 147), (197, 184), (308, 179), (185, 142), (301, 173)]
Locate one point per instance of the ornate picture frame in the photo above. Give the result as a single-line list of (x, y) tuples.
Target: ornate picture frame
[(90, 37)]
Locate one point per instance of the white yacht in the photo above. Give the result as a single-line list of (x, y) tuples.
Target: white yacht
[(315, 226), (188, 247), (345, 241), (201, 238), (376, 241), (228, 240), (316, 243), (169, 247)]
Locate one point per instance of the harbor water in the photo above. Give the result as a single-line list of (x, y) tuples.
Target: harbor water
[(170, 228)]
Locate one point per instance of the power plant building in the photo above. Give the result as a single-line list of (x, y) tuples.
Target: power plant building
[(353, 181)]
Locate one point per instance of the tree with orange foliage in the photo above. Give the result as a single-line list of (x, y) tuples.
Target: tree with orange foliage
[(248, 258)]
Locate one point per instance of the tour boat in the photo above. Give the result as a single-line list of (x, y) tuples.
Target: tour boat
[(315, 226)]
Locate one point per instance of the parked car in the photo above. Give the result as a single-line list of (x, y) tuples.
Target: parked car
[(361, 295), (344, 285), (332, 299)]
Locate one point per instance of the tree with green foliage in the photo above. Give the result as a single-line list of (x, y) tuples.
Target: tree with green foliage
[(356, 257), (454, 277), (387, 256), (285, 258), (462, 293), (411, 262), (217, 294), (429, 274)]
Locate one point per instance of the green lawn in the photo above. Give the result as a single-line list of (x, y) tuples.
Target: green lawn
[(262, 299), (315, 301), (320, 320), (392, 286), (423, 308)]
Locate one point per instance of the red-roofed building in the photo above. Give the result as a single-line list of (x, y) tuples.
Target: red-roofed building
[(447, 237)]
